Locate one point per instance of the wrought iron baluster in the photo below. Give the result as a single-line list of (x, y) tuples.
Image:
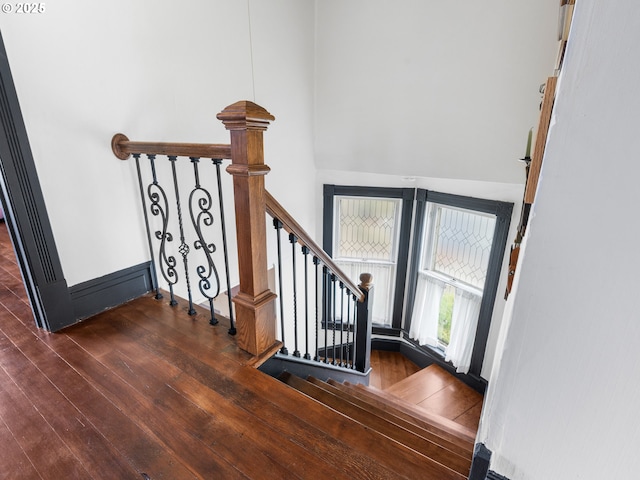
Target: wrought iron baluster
[(341, 323), (333, 309), (232, 328), (316, 263), (183, 248), (348, 346), (160, 207), (305, 252), (278, 226), (154, 275), (200, 198), (327, 297), (293, 239)]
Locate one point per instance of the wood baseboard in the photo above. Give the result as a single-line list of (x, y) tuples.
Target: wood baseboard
[(99, 294)]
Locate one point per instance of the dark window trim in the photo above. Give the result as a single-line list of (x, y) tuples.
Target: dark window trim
[(407, 196), (502, 211)]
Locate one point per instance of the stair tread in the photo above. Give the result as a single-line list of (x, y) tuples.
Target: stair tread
[(432, 453), (420, 413), (429, 380), (303, 421), (441, 427), (366, 453), (432, 388), (390, 415), (436, 390)]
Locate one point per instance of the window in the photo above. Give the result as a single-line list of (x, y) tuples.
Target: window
[(454, 258), (454, 263), (364, 233), (458, 248)]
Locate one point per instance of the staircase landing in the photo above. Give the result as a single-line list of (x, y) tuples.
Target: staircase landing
[(431, 389)]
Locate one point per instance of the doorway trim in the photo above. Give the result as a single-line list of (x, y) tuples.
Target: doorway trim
[(26, 213)]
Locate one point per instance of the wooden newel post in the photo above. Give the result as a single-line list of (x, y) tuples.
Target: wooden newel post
[(255, 303), (364, 318)]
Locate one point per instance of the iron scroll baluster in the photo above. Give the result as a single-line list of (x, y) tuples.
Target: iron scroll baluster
[(156, 203), (154, 275), (159, 207), (200, 199)]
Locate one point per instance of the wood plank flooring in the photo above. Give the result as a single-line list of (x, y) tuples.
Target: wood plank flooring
[(432, 388), (144, 391), (388, 368)]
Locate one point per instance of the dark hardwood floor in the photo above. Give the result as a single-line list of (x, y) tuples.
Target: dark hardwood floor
[(144, 391), (388, 368)]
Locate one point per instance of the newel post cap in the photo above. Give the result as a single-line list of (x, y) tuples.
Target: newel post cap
[(366, 281), (245, 115)]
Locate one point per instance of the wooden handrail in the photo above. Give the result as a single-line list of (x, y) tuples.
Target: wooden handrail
[(122, 147), (291, 226)]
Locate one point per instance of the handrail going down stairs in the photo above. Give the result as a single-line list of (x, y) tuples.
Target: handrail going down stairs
[(342, 320)]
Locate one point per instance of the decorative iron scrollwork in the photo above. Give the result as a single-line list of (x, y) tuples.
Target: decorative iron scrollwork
[(159, 207), (200, 205)]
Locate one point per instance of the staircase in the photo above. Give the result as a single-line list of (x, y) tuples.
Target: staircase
[(412, 442)]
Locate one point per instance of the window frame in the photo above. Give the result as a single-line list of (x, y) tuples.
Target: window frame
[(502, 211), (406, 195)]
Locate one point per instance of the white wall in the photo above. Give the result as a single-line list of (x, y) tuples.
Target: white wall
[(154, 70), (563, 400), (430, 89)]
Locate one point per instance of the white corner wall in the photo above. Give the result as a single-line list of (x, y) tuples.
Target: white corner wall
[(159, 71), (430, 89), (563, 399)]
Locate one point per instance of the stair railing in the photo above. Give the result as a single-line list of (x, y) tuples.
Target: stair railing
[(335, 319), (156, 200), (343, 314)]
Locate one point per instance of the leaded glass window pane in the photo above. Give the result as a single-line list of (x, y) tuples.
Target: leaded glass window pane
[(462, 244), (366, 240), (367, 228)]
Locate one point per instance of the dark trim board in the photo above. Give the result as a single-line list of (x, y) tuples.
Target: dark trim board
[(388, 331), (346, 348), (94, 296), (480, 462), (26, 213), (406, 195), (480, 465), (494, 476), (304, 368)]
